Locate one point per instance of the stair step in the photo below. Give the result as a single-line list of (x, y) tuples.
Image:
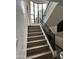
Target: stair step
[(37, 49), (33, 27), (46, 56), (41, 55), (34, 30), (32, 38), (36, 43), (35, 34)]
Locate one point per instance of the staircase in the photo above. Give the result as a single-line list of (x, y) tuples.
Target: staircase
[(37, 47)]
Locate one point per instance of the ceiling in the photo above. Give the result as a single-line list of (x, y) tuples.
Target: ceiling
[(39, 1)]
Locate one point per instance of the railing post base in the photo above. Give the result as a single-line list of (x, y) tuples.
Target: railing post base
[(54, 53)]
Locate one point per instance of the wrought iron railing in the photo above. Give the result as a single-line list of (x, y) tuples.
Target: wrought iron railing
[(50, 35)]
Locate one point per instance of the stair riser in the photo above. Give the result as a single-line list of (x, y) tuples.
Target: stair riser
[(33, 27), (47, 56), (30, 31), (35, 38), (35, 44), (37, 51), (35, 34)]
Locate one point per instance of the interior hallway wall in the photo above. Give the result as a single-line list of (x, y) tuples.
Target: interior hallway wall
[(58, 36), (21, 28), (54, 19)]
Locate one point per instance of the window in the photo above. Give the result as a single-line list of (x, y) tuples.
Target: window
[(37, 11)]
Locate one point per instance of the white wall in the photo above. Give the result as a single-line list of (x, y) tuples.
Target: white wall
[(53, 29), (59, 41), (58, 36), (56, 16), (49, 10), (21, 29)]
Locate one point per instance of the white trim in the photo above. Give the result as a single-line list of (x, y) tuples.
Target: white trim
[(38, 55), (36, 41), (36, 47), (35, 36), (35, 33)]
